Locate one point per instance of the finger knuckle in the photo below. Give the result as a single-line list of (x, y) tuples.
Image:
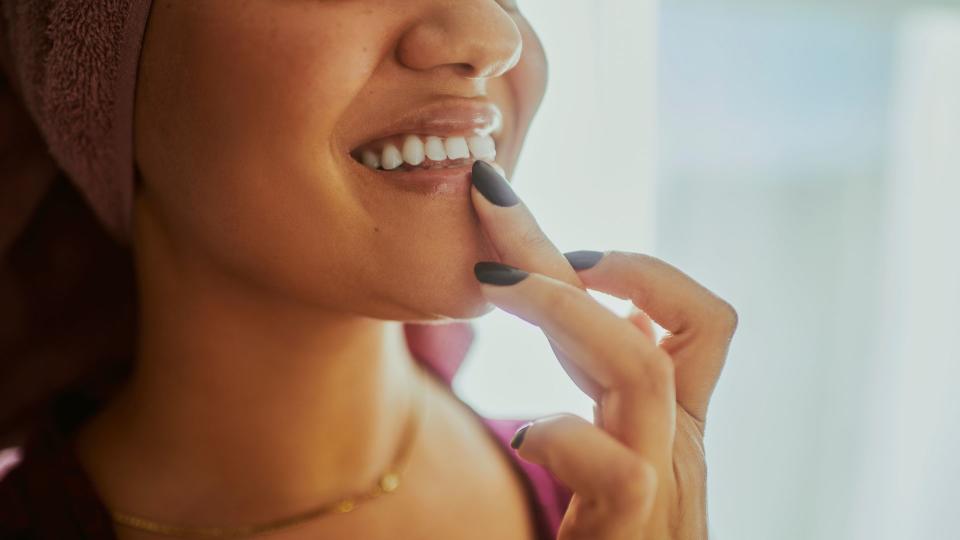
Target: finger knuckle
[(655, 374), (726, 317), (634, 482)]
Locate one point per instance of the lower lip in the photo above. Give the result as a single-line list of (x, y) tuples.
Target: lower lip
[(452, 181)]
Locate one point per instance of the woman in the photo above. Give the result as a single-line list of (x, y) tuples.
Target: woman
[(311, 175)]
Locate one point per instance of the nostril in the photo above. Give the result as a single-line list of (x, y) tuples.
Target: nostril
[(487, 71), (466, 70)]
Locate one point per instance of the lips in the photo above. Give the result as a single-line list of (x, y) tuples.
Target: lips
[(445, 134)]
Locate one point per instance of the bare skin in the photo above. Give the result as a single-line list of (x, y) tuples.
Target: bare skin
[(273, 270), (271, 373)]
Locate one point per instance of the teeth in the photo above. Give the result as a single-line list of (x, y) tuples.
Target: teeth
[(413, 150), (457, 148), (370, 159), (391, 157), (435, 149), (482, 147)]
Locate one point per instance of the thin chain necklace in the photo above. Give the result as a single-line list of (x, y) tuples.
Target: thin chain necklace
[(388, 483)]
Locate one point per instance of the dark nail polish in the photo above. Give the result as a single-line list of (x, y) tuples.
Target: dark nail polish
[(584, 259), (494, 273), (493, 186), (517, 439)]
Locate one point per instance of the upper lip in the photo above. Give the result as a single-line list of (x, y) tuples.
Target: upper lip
[(448, 118)]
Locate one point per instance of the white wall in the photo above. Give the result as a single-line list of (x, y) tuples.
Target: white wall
[(787, 128), (908, 479)]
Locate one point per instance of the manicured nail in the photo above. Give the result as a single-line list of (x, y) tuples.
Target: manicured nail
[(584, 259), (494, 273), (493, 186), (517, 439)]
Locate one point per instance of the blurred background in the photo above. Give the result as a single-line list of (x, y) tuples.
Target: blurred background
[(802, 160)]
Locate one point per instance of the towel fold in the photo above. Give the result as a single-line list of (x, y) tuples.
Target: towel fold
[(73, 64), (67, 77)]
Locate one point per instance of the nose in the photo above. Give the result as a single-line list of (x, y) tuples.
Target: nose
[(476, 38)]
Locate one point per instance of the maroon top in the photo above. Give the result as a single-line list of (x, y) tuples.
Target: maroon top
[(46, 495)]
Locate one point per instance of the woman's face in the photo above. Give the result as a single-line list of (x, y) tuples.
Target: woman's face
[(252, 118)]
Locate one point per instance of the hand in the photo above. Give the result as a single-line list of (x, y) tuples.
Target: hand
[(638, 471)]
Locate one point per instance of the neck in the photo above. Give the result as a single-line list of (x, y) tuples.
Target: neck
[(247, 403)]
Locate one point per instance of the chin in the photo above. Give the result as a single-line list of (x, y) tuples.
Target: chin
[(445, 303), (469, 306), (474, 310)]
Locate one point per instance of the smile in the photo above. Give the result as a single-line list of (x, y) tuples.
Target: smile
[(445, 134), (431, 149), (411, 151)]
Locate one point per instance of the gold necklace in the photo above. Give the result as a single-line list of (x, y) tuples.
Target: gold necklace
[(388, 483)]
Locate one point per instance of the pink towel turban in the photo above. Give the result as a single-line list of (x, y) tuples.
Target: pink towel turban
[(67, 296), (74, 65)]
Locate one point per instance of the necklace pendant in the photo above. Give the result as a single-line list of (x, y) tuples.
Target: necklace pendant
[(389, 482), (345, 505)]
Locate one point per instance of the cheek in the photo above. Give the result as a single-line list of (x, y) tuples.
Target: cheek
[(243, 107), (234, 120), (235, 143), (268, 89)]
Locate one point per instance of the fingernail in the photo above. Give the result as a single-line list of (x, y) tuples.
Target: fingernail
[(491, 185), (494, 273), (583, 259), (517, 439)]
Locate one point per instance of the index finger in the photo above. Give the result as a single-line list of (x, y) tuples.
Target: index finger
[(520, 242), (512, 228)]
